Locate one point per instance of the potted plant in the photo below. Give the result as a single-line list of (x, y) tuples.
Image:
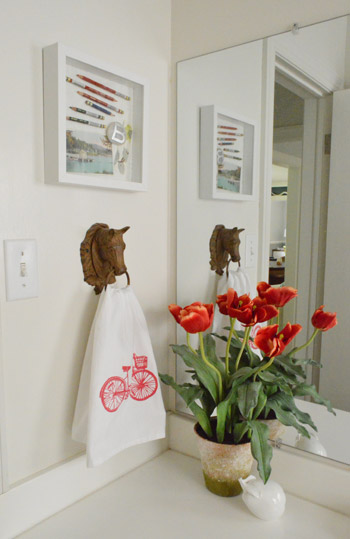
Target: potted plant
[(244, 389)]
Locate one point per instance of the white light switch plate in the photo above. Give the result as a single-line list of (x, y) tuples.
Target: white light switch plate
[(251, 247), (21, 268)]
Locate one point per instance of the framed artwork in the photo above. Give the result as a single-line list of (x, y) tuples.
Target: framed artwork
[(95, 122), (227, 155)]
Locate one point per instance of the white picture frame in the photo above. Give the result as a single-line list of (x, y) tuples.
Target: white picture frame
[(98, 164), (228, 150)]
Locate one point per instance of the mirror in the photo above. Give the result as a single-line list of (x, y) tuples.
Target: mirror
[(292, 89)]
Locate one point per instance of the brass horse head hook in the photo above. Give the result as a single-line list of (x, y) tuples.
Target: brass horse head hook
[(224, 248), (102, 255)]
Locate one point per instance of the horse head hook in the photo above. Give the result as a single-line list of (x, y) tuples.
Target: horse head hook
[(224, 248), (102, 255)]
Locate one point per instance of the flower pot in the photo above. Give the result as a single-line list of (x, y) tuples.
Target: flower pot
[(223, 464), (275, 427)]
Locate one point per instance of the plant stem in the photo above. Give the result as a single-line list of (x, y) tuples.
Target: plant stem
[(264, 367), (246, 337), (295, 350), (189, 344), (250, 353), (207, 362), (228, 345), (234, 331), (278, 320)]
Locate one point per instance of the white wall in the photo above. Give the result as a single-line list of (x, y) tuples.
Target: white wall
[(202, 26), (43, 339)]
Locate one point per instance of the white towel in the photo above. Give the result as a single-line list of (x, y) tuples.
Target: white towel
[(240, 282), (119, 402)]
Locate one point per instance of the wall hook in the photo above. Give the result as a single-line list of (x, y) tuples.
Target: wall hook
[(224, 248), (102, 255)]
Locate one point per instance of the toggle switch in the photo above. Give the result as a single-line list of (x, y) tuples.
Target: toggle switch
[(21, 269)]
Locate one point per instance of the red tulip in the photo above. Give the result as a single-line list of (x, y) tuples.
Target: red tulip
[(226, 301), (257, 310), (276, 296), (273, 343), (194, 318), (175, 311), (240, 307), (323, 320), (262, 287)]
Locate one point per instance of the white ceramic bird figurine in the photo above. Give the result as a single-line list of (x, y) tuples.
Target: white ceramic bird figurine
[(264, 501), (312, 444)]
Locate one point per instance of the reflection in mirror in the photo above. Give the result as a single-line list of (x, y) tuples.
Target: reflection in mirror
[(293, 88)]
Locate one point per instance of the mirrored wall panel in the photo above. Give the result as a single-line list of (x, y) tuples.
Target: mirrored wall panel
[(285, 185)]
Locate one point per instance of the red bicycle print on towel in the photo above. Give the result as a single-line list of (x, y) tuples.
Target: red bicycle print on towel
[(143, 384), (252, 335)]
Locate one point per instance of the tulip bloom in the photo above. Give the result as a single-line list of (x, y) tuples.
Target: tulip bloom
[(238, 305), (273, 343), (194, 318), (257, 310), (227, 301), (276, 296), (323, 320)]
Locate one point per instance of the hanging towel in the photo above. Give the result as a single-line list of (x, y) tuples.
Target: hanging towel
[(240, 282), (119, 401)]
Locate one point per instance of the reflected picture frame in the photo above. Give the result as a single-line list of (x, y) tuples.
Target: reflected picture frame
[(228, 155), (79, 143)]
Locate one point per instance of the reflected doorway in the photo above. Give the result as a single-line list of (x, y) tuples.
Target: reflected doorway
[(294, 136), (300, 171), (285, 189)]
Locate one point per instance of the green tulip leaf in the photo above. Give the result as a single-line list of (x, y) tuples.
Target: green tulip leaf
[(205, 374), (248, 397), (262, 398), (287, 403), (207, 402), (224, 406), (305, 389), (221, 337), (221, 413), (308, 362), (234, 342), (239, 431), (271, 390), (261, 449), (289, 366), (267, 376), (190, 395), (188, 392), (280, 372), (242, 372), (286, 418), (210, 352)]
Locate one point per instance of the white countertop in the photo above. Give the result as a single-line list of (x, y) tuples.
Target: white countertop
[(166, 499)]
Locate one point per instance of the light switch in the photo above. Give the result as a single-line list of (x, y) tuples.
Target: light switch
[(251, 247), (21, 269)]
